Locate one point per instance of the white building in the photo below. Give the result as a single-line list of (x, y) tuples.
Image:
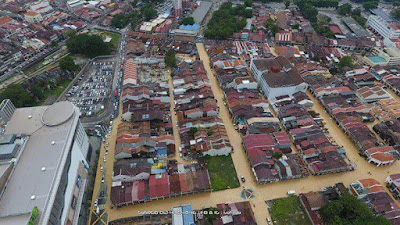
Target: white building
[(383, 24), (277, 77), (50, 170), (33, 17), (386, 57), (75, 4), (41, 7), (33, 43)]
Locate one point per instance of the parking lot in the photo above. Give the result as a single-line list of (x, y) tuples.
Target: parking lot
[(93, 89)]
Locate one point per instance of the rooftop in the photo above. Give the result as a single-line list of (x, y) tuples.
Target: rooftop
[(278, 72), (42, 155)]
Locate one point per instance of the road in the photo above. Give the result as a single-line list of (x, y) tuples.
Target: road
[(262, 192)]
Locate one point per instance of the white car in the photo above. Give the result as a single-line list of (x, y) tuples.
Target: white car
[(101, 169), (104, 159)]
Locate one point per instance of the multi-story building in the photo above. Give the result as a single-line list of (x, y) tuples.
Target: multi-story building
[(49, 161), (178, 8), (33, 17), (383, 24), (277, 77)]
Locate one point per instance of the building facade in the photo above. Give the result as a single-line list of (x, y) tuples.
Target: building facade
[(383, 24), (54, 149)]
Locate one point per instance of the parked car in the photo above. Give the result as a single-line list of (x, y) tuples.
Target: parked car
[(243, 179)]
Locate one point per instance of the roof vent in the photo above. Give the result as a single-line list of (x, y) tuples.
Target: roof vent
[(43, 168), (30, 116), (33, 197), (53, 143)]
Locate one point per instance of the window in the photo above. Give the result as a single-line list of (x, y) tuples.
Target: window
[(73, 202), (79, 181)]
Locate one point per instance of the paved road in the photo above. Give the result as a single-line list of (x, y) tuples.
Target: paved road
[(262, 192)]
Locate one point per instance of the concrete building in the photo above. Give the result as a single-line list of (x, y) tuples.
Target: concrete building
[(178, 8), (75, 4), (355, 28), (383, 24), (50, 172), (33, 17), (41, 7), (277, 77), (385, 57), (201, 11), (182, 215), (7, 109)]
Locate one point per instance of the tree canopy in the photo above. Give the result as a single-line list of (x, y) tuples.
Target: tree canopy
[(187, 21), (88, 45), (17, 94), (349, 210), (396, 13), (170, 59), (344, 9), (67, 64), (120, 20), (271, 26), (346, 61), (149, 12), (226, 21), (370, 5)]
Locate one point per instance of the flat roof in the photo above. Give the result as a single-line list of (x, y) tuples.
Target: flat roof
[(383, 15), (201, 11), (44, 148), (355, 27)]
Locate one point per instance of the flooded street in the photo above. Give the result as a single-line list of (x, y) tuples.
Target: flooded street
[(242, 166)]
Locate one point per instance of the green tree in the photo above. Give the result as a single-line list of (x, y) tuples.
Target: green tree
[(349, 210), (356, 12), (193, 131), (370, 5), (248, 3), (67, 64), (277, 155), (310, 13), (88, 45), (346, 61), (149, 12), (37, 92), (272, 27), (344, 9), (287, 4), (17, 94), (396, 13), (187, 21), (120, 20), (170, 59), (53, 44), (70, 33), (296, 26), (226, 21)]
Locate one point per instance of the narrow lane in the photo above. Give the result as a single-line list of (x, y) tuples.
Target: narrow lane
[(174, 119)]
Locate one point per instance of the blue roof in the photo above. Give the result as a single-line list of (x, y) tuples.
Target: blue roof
[(187, 215), (162, 152), (189, 27)]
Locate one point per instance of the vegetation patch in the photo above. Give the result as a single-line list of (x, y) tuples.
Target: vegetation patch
[(222, 172), (227, 20), (288, 211), (88, 45), (349, 210)]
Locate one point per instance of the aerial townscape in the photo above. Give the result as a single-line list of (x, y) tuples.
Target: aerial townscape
[(199, 112)]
